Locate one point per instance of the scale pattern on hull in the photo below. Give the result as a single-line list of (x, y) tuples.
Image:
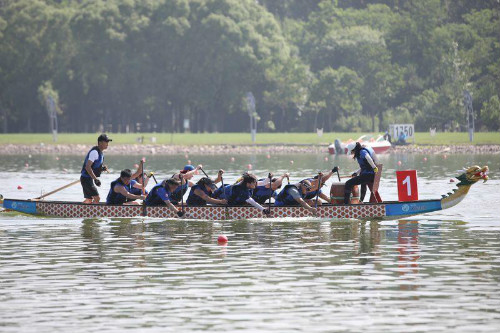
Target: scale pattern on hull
[(83, 210), (207, 212)]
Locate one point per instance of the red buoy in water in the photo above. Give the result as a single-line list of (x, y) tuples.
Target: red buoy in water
[(222, 239), (19, 187), (399, 162), (249, 167)]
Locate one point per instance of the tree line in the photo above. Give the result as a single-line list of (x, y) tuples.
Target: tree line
[(340, 65)]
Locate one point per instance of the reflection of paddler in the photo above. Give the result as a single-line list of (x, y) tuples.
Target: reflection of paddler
[(337, 194)]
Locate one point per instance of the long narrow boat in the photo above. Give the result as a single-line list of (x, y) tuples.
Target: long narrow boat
[(366, 211)]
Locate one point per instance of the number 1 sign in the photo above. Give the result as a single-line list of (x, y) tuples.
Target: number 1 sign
[(407, 185)]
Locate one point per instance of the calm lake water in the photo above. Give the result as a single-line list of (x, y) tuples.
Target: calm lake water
[(438, 272)]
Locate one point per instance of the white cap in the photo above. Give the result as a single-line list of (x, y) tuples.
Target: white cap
[(350, 147)]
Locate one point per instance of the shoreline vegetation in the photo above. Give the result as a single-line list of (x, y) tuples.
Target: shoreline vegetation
[(236, 143)]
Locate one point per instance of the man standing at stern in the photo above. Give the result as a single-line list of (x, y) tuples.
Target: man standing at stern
[(92, 168)]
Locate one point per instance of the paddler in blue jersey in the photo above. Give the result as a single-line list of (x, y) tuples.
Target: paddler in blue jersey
[(92, 168), (364, 175), (264, 190), (202, 193), (294, 194), (184, 177), (161, 193), (137, 189), (311, 194), (120, 192), (241, 193)]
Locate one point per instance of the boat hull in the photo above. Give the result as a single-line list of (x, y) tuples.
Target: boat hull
[(366, 211)]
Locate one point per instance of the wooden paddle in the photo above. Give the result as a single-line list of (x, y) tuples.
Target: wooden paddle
[(319, 188), (57, 190), (204, 172), (144, 209), (270, 192), (154, 178), (182, 197)]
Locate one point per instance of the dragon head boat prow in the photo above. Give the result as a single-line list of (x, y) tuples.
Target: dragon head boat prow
[(469, 177), (473, 174)]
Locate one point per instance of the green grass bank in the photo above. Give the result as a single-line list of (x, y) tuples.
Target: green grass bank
[(421, 138)]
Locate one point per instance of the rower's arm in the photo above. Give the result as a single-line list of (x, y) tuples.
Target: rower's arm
[(138, 185), (125, 193), (205, 197), (88, 168), (171, 206), (254, 203), (279, 181), (325, 178), (305, 205), (219, 176), (370, 161), (324, 197), (138, 172), (194, 172)]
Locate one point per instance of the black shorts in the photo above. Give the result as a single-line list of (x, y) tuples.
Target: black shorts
[(89, 189)]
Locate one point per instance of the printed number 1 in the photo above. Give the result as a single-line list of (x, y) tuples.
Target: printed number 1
[(408, 185)]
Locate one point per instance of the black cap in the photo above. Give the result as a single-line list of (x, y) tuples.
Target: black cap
[(103, 137)]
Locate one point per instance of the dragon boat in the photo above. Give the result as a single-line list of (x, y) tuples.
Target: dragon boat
[(388, 210)]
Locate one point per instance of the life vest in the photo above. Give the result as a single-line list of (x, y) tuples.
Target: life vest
[(366, 168), (239, 195), (311, 194), (115, 198), (96, 165), (179, 192), (262, 193), (285, 199), (222, 192), (135, 190), (154, 197), (194, 199)]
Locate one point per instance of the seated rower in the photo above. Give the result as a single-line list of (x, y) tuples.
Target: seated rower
[(120, 191), (263, 190), (311, 195), (293, 195), (160, 195), (137, 185), (241, 193), (201, 193), (183, 177), (364, 175)]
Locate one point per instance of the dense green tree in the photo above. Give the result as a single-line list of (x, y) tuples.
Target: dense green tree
[(146, 65)]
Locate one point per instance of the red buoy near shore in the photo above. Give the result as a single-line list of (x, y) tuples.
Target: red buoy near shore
[(222, 239)]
